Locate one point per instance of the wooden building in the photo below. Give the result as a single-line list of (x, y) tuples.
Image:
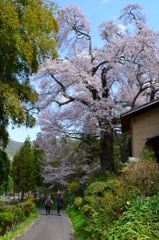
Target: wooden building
[(143, 124)]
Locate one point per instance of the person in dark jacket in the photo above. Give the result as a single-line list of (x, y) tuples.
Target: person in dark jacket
[(59, 204), (48, 203)]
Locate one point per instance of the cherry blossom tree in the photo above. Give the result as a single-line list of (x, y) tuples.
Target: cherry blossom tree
[(66, 160), (85, 91)]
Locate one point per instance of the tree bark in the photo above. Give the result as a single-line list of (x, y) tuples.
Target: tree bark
[(22, 196), (35, 194), (106, 154), (106, 140)]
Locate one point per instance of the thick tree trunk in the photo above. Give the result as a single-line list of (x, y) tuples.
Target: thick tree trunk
[(106, 141), (22, 195), (106, 154), (35, 194)]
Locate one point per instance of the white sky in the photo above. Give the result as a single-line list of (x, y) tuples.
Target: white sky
[(96, 11)]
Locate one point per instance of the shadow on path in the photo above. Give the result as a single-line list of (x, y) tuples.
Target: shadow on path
[(49, 227)]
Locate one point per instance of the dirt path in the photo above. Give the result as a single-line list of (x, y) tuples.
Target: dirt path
[(50, 227)]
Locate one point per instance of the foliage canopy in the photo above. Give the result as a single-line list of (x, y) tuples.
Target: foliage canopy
[(28, 34)]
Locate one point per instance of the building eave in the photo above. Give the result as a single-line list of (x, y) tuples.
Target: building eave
[(126, 117)]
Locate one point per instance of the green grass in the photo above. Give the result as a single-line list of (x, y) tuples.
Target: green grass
[(19, 229), (78, 221)]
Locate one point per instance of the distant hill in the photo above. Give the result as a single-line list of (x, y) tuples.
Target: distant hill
[(12, 148)]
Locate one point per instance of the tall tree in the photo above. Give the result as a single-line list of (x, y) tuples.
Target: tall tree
[(40, 163), (16, 166), (5, 170), (24, 169), (28, 35), (98, 83)]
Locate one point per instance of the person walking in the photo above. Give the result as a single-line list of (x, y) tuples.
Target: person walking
[(59, 204), (48, 203)]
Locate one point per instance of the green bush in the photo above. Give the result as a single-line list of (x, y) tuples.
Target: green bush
[(141, 221), (17, 211), (89, 200), (148, 155), (142, 174), (6, 222), (102, 211), (31, 199), (7, 208), (77, 202), (18, 215), (73, 187), (27, 208), (86, 210), (106, 203), (97, 188), (11, 215)]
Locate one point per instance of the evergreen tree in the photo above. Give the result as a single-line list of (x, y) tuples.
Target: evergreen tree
[(5, 169), (40, 162), (24, 169)]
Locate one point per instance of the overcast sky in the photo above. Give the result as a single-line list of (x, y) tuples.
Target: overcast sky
[(96, 11)]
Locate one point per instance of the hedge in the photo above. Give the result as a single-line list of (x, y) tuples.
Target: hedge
[(11, 215)]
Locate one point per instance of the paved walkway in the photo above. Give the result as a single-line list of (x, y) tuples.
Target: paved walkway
[(50, 227)]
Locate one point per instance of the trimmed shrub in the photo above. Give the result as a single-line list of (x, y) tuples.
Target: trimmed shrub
[(77, 202)]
